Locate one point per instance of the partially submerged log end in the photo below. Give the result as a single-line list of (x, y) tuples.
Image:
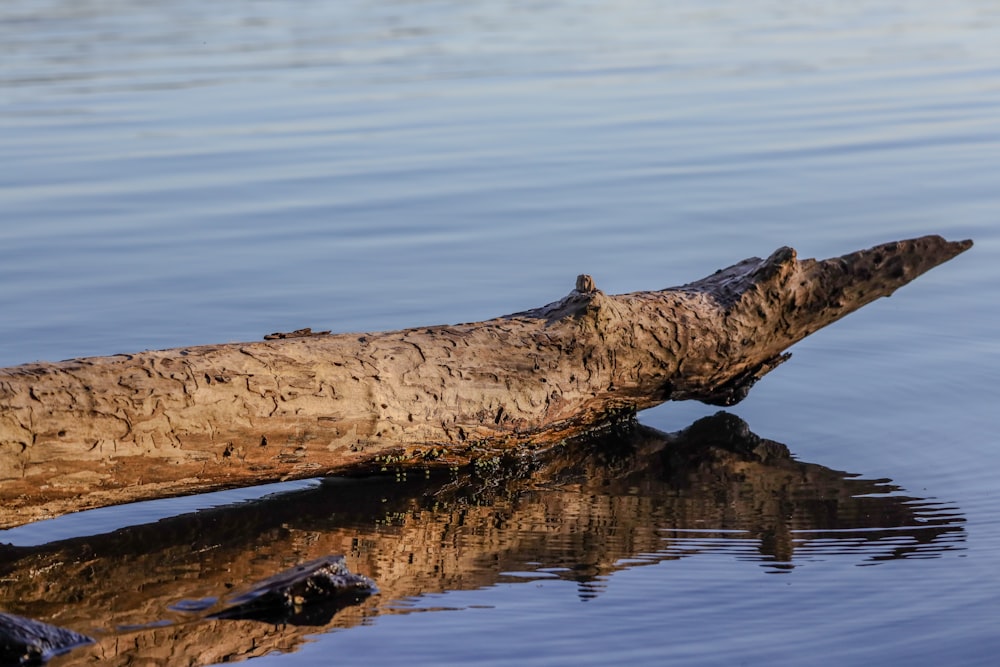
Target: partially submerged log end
[(307, 594), (25, 641), (89, 432)]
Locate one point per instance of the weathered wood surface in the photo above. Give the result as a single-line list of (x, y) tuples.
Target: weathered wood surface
[(89, 432)]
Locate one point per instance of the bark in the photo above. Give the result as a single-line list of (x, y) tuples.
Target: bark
[(89, 432)]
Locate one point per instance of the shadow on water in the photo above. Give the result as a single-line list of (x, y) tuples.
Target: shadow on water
[(628, 497)]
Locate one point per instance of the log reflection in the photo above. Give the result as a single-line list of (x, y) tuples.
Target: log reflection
[(629, 497)]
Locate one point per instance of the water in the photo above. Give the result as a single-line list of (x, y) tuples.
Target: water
[(183, 173)]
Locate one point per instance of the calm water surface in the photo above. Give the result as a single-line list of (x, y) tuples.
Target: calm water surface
[(186, 172)]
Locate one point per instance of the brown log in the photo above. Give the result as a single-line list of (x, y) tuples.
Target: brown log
[(89, 432)]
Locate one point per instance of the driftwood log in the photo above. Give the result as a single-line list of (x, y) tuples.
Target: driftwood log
[(89, 432)]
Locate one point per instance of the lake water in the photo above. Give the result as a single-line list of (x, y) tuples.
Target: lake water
[(177, 173)]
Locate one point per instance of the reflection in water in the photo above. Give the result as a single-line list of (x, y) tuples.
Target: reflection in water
[(629, 497)]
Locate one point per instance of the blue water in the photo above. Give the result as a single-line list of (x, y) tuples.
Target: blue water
[(186, 172)]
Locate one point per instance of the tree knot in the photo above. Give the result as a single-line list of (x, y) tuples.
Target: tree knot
[(781, 261), (585, 284)]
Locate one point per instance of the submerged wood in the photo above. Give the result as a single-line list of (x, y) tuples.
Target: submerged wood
[(89, 432), (25, 641), (307, 594)]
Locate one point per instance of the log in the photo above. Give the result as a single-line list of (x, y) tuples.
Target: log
[(89, 432)]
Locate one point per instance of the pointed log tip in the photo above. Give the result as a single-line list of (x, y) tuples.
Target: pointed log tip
[(925, 252), (952, 249), (902, 261), (932, 245), (963, 245)]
